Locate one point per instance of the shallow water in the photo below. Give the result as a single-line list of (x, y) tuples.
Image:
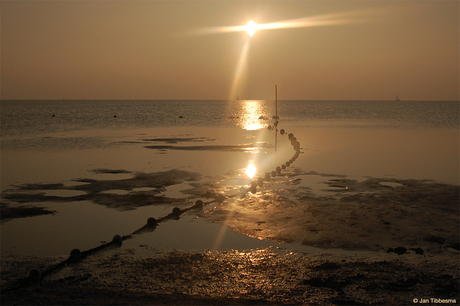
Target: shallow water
[(84, 225), (351, 141)]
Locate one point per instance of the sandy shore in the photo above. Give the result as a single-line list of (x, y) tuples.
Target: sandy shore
[(263, 276)]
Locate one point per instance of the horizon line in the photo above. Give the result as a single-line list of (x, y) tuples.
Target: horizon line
[(170, 99)]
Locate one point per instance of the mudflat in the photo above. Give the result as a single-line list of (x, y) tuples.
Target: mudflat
[(264, 276)]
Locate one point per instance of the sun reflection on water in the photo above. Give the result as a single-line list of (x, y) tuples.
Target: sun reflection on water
[(253, 115), (251, 169)]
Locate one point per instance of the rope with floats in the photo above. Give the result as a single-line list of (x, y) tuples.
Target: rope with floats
[(76, 255)]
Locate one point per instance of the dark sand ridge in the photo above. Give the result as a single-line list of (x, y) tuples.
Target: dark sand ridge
[(227, 148)]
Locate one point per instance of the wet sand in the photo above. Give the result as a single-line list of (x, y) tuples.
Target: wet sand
[(373, 214), (263, 276)]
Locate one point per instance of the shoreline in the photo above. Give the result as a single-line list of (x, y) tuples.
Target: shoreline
[(263, 276)]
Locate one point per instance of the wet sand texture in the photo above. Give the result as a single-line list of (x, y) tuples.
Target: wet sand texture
[(367, 215), (234, 277)]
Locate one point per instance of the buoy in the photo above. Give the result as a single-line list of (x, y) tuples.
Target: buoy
[(273, 173), (267, 175), (276, 123), (114, 116), (176, 211), (34, 275), (282, 131), (53, 115), (198, 204), (181, 117), (220, 198), (283, 166), (117, 239), (253, 188), (152, 222), (297, 146), (290, 135), (260, 182), (288, 164), (278, 169), (75, 254)]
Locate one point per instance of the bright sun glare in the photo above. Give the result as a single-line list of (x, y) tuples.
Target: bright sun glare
[(251, 170), (322, 20), (251, 28)]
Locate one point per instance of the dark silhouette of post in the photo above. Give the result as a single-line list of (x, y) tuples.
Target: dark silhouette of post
[(276, 117), (276, 101)]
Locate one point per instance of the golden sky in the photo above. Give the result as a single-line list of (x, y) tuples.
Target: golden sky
[(180, 50)]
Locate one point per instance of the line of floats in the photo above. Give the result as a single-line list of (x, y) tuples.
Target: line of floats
[(76, 255)]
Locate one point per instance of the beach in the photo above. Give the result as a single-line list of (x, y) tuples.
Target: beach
[(239, 277), (363, 210)]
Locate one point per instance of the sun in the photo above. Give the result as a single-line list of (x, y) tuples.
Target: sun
[(251, 28)]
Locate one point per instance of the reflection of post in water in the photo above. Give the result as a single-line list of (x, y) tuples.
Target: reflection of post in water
[(276, 134)]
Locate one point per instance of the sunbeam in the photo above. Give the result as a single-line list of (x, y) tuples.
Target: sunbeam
[(239, 70)]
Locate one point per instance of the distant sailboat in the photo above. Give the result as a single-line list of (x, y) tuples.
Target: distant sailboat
[(397, 98), (237, 98)]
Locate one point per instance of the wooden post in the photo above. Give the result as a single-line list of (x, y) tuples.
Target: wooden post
[(276, 100), (276, 117)]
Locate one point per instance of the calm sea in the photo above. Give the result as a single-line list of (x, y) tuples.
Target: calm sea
[(38, 117), (40, 142)]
